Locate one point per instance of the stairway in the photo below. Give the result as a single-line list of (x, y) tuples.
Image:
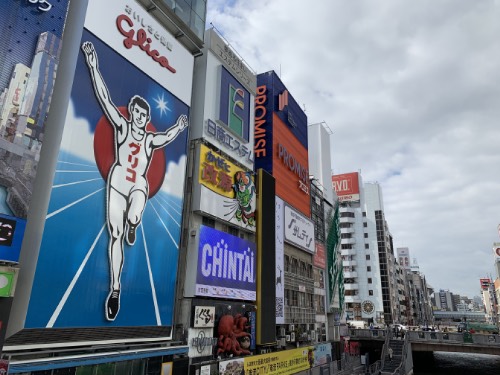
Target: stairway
[(397, 354)]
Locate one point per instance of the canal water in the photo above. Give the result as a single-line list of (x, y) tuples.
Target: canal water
[(458, 364)]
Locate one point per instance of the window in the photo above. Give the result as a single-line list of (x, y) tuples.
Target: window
[(346, 235), (346, 246), (287, 264), (369, 268), (365, 225), (370, 292), (366, 235), (367, 246), (233, 231), (364, 214), (369, 280), (208, 222), (367, 256)]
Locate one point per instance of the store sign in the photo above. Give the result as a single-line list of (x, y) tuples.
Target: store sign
[(238, 148), (8, 280), (322, 353), (280, 263), (230, 191), (232, 61), (284, 362), (226, 266), (319, 258), (293, 165), (299, 230), (201, 342), (204, 316), (11, 237), (142, 40), (346, 186), (234, 105)]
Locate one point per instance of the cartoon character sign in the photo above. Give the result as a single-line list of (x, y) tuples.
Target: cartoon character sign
[(109, 250), (244, 195)]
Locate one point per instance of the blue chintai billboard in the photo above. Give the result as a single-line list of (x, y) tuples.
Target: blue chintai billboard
[(226, 266), (110, 246)]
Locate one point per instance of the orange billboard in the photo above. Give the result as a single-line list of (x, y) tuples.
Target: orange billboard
[(290, 168), (346, 186)]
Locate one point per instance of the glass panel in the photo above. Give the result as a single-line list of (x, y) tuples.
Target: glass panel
[(169, 3), (197, 25), (183, 11), (200, 7)]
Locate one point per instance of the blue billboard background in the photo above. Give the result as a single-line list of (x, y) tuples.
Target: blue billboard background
[(224, 247), (292, 115), (72, 279)]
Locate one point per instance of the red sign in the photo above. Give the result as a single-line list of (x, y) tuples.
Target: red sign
[(319, 259), (346, 186), (485, 283), (4, 367)]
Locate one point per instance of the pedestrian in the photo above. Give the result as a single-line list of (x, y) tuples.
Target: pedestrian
[(390, 354)]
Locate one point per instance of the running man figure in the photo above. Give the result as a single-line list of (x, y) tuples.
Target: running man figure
[(127, 185)]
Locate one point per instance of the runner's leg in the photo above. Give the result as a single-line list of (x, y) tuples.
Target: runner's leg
[(136, 204)]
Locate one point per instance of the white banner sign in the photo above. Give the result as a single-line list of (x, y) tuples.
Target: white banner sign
[(144, 42), (204, 316), (280, 268), (201, 342), (299, 230)]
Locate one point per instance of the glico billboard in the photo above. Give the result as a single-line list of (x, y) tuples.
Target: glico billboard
[(109, 250), (346, 186), (281, 141)]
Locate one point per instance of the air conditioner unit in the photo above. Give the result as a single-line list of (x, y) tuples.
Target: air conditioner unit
[(292, 337), (287, 338), (313, 335), (291, 327)]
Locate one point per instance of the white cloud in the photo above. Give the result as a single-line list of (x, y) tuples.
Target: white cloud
[(77, 138), (410, 90), (172, 184)]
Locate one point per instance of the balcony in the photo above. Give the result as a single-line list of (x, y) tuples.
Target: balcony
[(352, 299), (347, 220), (347, 230), (348, 252), (347, 209), (349, 241), (348, 263), (351, 286), (352, 274)]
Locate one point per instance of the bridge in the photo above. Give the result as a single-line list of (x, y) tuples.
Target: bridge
[(428, 341), (425, 342)]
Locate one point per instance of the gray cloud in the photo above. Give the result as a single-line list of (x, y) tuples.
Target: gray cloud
[(410, 90)]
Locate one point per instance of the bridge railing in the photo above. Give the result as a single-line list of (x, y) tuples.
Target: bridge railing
[(454, 337)]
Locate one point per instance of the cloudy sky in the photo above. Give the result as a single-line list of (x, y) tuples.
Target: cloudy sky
[(411, 91)]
